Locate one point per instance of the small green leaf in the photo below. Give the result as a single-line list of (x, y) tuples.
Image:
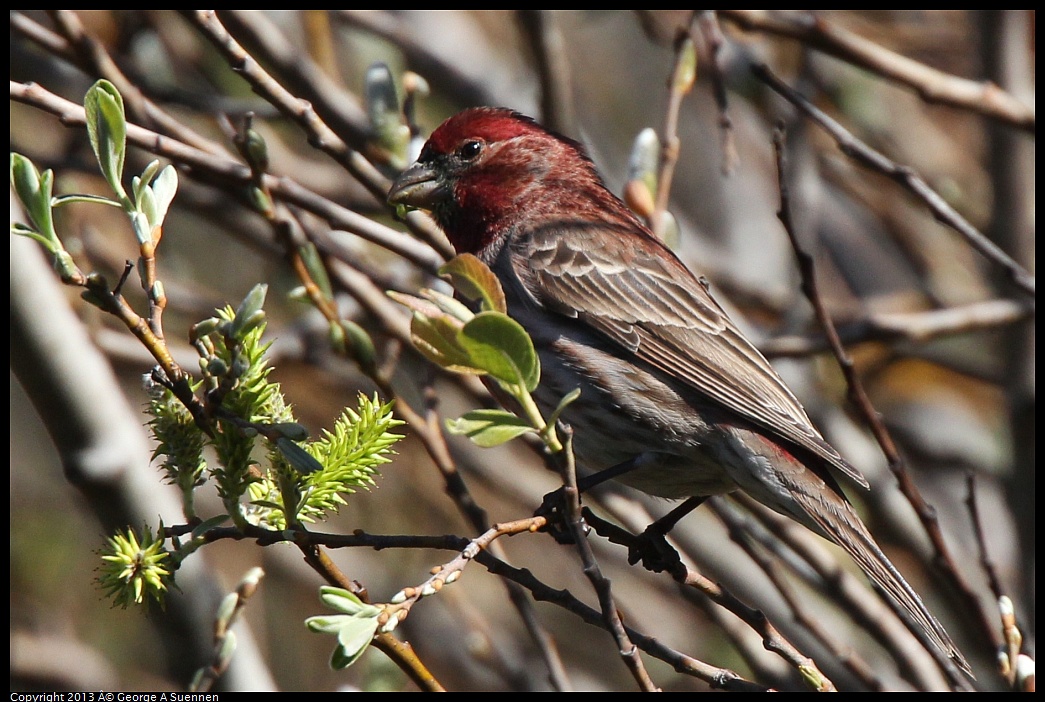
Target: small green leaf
[(346, 602), (147, 175), (644, 160), (316, 270), (59, 200), (437, 340), (249, 313), (226, 608), (22, 230), (142, 229), (489, 427), (302, 461), (361, 346), (352, 640), (416, 304), (499, 345), (474, 279), (448, 304), (686, 69), (107, 129), (386, 120), (228, 646), (354, 628), (563, 403), (34, 191), (325, 624), (146, 203), (261, 201), (208, 524), (256, 151), (26, 181), (164, 187)]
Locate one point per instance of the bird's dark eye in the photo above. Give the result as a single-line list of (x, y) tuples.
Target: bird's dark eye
[(469, 150)]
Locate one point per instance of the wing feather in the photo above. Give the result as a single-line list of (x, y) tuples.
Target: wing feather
[(633, 291)]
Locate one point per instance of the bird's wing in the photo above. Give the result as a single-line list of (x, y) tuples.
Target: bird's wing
[(637, 294)]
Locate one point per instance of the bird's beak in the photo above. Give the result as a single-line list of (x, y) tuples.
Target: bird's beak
[(419, 186)]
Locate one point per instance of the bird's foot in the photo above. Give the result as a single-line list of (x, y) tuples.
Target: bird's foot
[(652, 549), (554, 509)]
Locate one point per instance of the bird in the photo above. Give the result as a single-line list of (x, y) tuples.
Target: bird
[(674, 399)]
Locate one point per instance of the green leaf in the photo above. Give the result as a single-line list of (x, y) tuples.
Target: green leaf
[(360, 345), (644, 160), (147, 175), (352, 640), (386, 119), (489, 427), (140, 224), (22, 230), (563, 403), (474, 279), (345, 602), (448, 304), (355, 628), (302, 461), (249, 313), (437, 340), (60, 200), (686, 70), (325, 624), (34, 191), (107, 129), (499, 345), (146, 203), (208, 524), (164, 187), (256, 151), (316, 270)]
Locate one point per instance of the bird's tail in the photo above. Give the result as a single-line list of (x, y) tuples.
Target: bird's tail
[(831, 515)]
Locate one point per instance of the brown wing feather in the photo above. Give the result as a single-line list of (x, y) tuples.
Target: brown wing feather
[(652, 306)]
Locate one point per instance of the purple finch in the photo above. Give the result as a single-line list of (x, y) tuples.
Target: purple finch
[(670, 387)]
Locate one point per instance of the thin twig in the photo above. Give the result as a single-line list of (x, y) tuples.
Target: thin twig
[(571, 500), (232, 173), (339, 109), (542, 33), (720, 678), (304, 114), (858, 396), (710, 29), (906, 176), (1012, 648), (851, 593), (914, 327), (90, 55), (680, 84), (742, 532), (772, 639), (932, 85)]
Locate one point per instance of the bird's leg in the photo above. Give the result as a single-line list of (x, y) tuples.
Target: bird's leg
[(652, 548), (552, 505), (589, 481)]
